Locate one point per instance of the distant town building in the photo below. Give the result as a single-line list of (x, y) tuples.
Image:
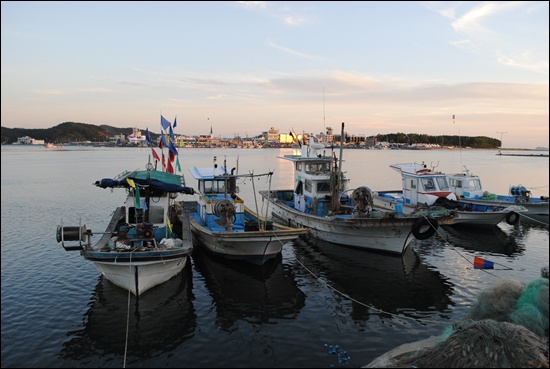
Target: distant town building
[(26, 140)]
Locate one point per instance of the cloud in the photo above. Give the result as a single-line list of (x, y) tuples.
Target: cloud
[(293, 52), (48, 92)]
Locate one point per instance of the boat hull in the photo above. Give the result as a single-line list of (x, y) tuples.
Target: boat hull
[(390, 235), (391, 200), (141, 271), (536, 211), (256, 247)]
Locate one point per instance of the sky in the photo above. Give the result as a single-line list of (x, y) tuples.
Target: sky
[(240, 68)]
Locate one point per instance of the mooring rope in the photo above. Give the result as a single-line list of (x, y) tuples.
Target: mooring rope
[(447, 243), (533, 219), (128, 312)]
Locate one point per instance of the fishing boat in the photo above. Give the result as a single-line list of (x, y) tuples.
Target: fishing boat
[(469, 190), (50, 145), (139, 248), (426, 188), (225, 225), (322, 202)]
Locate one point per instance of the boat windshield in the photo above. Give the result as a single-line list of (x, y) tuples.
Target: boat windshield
[(442, 183), (474, 184)]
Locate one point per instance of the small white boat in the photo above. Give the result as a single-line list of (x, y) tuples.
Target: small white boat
[(50, 145), (423, 187), (469, 190), (222, 223), (139, 249), (321, 201)]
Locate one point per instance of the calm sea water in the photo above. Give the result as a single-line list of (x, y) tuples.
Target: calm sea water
[(57, 311)]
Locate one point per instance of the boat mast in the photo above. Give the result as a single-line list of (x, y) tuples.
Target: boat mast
[(335, 188)]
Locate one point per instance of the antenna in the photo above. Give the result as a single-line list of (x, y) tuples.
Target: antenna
[(324, 122), (459, 143)]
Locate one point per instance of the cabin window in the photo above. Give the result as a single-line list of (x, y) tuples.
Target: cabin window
[(156, 214), (474, 184), (456, 183), (428, 184), (413, 183), (323, 187), (443, 184), (311, 168), (214, 186), (299, 167), (307, 186)]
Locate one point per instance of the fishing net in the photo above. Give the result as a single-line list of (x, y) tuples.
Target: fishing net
[(483, 344), (506, 328)]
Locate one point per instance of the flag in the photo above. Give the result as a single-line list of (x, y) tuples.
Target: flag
[(155, 155), (131, 182), (147, 137), (137, 198), (175, 121), (178, 163), (164, 123), (172, 137), (169, 167), (163, 138), (162, 152), (173, 149), (480, 263), (169, 226)]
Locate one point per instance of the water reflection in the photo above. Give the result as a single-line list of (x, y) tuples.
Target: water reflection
[(249, 292), (388, 283), (492, 240), (159, 321)]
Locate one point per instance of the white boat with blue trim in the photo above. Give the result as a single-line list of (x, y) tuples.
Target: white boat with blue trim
[(469, 191), (425, 188), (224, 225), (322, 202)]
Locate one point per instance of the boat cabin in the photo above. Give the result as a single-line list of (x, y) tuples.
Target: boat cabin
[(315, 181), (465, 184), (422, 185), (217, 202)]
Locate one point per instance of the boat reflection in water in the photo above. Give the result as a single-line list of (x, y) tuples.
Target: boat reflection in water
[(388, 283), (255, 293), (490, 240), (158, 322)]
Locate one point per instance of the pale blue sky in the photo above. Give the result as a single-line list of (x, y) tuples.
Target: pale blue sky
[(243, 67)]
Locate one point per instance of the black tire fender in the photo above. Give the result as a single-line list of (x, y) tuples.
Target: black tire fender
[(512, 218), (424, 228)]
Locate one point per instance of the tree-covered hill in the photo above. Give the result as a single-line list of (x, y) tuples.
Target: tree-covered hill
[(80, 132), (66, 132)]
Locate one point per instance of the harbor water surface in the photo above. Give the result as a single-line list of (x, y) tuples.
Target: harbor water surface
[(315, 305)]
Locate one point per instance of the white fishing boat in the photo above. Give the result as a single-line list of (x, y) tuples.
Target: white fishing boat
[(426, 188), (321, 202), (224, 225), (139, 249), (469, 191)]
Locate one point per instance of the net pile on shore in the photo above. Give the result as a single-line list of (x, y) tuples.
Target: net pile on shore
[(507, 328)]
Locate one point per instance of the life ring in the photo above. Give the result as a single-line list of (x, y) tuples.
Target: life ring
[(424, 228), (512, 218)]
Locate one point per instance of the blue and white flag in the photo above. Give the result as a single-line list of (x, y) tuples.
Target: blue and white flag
[(164, 123)]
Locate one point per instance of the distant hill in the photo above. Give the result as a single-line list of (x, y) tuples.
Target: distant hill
[(67, 132)]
